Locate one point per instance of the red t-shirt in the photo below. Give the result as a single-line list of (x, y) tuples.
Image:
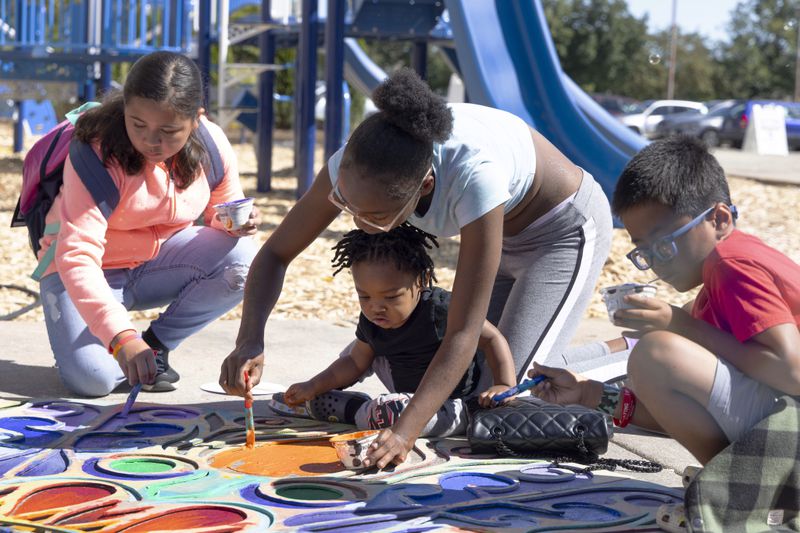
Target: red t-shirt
[(748, 287)]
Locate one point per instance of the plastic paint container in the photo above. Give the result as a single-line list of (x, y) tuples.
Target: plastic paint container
[(235, 214), (614, 296), (352, 447)]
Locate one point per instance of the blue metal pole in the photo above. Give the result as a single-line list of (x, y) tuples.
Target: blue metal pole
[(204, 48), (307, 79), (419, 59), (334, 76), (19, 129), (266, 107)]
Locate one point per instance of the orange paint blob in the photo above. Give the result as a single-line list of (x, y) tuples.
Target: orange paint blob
[(276, 459)]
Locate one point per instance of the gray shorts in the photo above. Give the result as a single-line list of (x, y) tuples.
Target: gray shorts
[(739, 402)]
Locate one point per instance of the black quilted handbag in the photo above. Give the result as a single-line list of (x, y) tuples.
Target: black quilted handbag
[(531, 426)]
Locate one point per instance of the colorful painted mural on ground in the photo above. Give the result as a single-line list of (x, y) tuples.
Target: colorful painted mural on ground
[(69, 466)]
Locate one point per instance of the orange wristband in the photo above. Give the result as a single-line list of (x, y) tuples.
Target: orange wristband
[(122, 341)]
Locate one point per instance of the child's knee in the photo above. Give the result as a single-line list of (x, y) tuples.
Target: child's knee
[(237, 264), (655, 354), (94, 385)]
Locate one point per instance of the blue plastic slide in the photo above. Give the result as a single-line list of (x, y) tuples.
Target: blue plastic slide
[(508, 61)]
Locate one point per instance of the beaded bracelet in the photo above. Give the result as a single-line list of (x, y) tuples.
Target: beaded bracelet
[(609, 400), (628, 407), (122, 341)]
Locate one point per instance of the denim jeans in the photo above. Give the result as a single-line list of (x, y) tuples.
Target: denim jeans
[(199, 274)]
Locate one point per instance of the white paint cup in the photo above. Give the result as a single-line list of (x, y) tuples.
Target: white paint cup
[(352, 448), (236, 213), (614, 296)]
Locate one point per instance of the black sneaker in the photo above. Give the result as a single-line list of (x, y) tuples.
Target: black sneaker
[(166, 376)]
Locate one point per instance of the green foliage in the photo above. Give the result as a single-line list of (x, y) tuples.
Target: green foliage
[(759, 61), (604, 48)]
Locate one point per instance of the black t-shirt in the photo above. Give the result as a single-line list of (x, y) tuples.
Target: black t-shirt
[(410, 348)]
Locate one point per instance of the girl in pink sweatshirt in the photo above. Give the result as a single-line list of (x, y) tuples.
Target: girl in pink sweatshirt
[(148, 252)]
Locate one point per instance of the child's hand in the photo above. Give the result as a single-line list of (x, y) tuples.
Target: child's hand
[(485, 398), (299, 393), (650, 314)]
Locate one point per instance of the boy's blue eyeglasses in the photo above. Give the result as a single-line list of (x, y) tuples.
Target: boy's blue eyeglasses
[(665, 249)]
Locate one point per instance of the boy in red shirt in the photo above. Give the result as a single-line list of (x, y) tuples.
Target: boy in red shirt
[(707, 373)]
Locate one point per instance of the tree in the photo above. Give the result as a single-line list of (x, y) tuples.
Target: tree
[(602, 46), (605, 48), (759, 60)]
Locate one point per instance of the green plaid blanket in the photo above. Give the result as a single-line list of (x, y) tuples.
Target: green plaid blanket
[(753, 476)]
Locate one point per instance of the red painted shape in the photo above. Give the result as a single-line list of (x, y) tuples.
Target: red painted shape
[(59, 496), (189, 518)]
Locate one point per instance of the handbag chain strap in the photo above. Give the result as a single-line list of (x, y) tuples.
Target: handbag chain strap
[(591, 460)]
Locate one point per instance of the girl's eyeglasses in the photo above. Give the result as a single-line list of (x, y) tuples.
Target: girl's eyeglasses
[(336, 198)]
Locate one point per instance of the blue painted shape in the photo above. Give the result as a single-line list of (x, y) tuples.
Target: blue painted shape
[(29, 434), (55, 462), (521, 73)]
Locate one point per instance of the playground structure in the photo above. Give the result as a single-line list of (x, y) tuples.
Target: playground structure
[(72, 41)]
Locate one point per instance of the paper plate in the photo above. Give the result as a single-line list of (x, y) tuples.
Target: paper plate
[(262, 389)]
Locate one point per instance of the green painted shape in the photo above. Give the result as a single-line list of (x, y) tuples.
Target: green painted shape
[(309, 493), (144, 465)]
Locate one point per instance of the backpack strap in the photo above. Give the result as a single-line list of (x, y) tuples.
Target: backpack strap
[(95, 176), (98, 182), (215, 170)]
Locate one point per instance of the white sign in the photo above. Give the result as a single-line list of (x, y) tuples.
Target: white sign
[(766, 131)]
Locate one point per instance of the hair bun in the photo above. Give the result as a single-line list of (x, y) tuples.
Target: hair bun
[(409, 104)]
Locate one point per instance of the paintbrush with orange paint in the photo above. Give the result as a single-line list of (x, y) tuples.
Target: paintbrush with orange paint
[(248, 413)]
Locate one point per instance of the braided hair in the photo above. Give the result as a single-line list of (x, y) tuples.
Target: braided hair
[(406, 246)]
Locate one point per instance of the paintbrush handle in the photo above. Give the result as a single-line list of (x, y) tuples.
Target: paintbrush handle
[(131, 399), (522, 387)]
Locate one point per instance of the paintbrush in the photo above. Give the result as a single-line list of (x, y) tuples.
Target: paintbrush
[(248, 414), (131, 398), (513, 391)]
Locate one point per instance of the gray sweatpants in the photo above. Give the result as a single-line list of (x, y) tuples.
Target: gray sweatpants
[(547, 276)]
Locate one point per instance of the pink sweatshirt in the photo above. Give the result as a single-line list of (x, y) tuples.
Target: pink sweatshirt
[(151, 209)]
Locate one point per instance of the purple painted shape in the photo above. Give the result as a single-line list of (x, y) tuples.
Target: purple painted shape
[(55, 462), (348, 521), (133, 436), (12, 458), (146, 415), (74, 415), (464, 480), (29, 437)]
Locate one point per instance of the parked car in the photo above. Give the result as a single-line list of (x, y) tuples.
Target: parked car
[(645, 123), (704, 126), (737, 119), (616, 105)]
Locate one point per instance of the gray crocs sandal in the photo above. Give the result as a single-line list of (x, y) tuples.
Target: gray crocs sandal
[(279, 407), (331, 406)]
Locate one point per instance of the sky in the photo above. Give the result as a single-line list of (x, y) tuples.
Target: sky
[(707, 17)]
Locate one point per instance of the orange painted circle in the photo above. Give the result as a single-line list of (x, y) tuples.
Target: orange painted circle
[(276, 459)]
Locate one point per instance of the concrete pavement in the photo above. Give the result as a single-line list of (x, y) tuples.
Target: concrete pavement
[(296, 350), (779, 169)]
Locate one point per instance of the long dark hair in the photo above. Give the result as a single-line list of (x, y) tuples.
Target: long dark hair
[(165, 77), (395, 145)]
